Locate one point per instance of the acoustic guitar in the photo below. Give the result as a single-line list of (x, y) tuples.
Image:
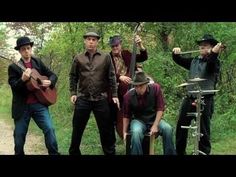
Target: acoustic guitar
[(45, 95)]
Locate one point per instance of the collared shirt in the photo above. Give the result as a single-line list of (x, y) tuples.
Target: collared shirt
[(144, 107), (126, 57), (120, 67), (92, 76)]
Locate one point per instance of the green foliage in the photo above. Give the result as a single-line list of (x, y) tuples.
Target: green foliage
[(159, 38), (3, 64), (65, 40), (5, 100)]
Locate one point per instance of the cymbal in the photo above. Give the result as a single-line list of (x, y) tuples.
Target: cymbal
[(203, 91), (185, 84), (197, 79)]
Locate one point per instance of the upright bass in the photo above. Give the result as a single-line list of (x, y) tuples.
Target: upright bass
[(133, 59), (132, 68)]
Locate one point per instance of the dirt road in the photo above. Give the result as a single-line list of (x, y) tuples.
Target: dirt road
[(34, 144)]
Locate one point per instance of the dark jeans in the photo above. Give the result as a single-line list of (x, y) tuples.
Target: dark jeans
[(184, 120), (42, 118), (81, 116)]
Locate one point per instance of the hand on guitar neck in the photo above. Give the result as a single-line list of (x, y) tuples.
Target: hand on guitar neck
[(26, 74)]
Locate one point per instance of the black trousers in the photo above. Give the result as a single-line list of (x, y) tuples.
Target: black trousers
[(113, 112), (117, 117), (184, 120), (81, 116)]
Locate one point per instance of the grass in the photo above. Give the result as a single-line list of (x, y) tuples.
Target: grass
[(225, 146), (5, 99), (223, 130), (90, 144)]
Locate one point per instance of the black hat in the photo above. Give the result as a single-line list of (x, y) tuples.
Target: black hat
[(207, 38), (23, 41), (140, 78), (115, 40), (91, 34)]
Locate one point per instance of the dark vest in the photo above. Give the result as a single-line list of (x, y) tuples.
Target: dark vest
[(198, 68), (147, 112)]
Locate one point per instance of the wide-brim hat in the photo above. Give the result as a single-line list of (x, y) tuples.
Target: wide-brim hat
[(207, 38), (140, 78), (91, 34), (23, 41)]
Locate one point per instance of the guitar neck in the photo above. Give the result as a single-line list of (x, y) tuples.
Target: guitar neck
[(19, 65), (14, 61)]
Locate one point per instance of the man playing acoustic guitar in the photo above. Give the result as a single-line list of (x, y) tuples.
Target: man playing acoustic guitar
[(25, 103)]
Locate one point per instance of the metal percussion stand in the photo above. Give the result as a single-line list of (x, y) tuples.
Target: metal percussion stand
[(197, 124)]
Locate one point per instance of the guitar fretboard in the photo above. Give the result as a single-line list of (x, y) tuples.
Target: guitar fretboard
[(14, 61)]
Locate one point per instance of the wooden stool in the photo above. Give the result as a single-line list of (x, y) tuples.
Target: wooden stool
[(147, 144)]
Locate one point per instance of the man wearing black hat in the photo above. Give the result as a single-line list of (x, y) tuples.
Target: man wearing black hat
[(92, 74), (143, 110), (25, 104), (205, 66), (121, 59)]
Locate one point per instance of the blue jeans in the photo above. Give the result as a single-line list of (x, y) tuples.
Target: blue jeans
[(42, 118), (138, 129)]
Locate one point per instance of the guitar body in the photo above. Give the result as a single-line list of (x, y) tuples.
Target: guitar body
[(46, 96)]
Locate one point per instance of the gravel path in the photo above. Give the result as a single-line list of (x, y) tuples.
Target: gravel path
[(34, 144)]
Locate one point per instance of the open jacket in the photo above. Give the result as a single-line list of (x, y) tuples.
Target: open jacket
[(127, 57), (19, 90)]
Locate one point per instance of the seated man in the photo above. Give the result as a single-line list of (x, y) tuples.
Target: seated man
[(144, 105)]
